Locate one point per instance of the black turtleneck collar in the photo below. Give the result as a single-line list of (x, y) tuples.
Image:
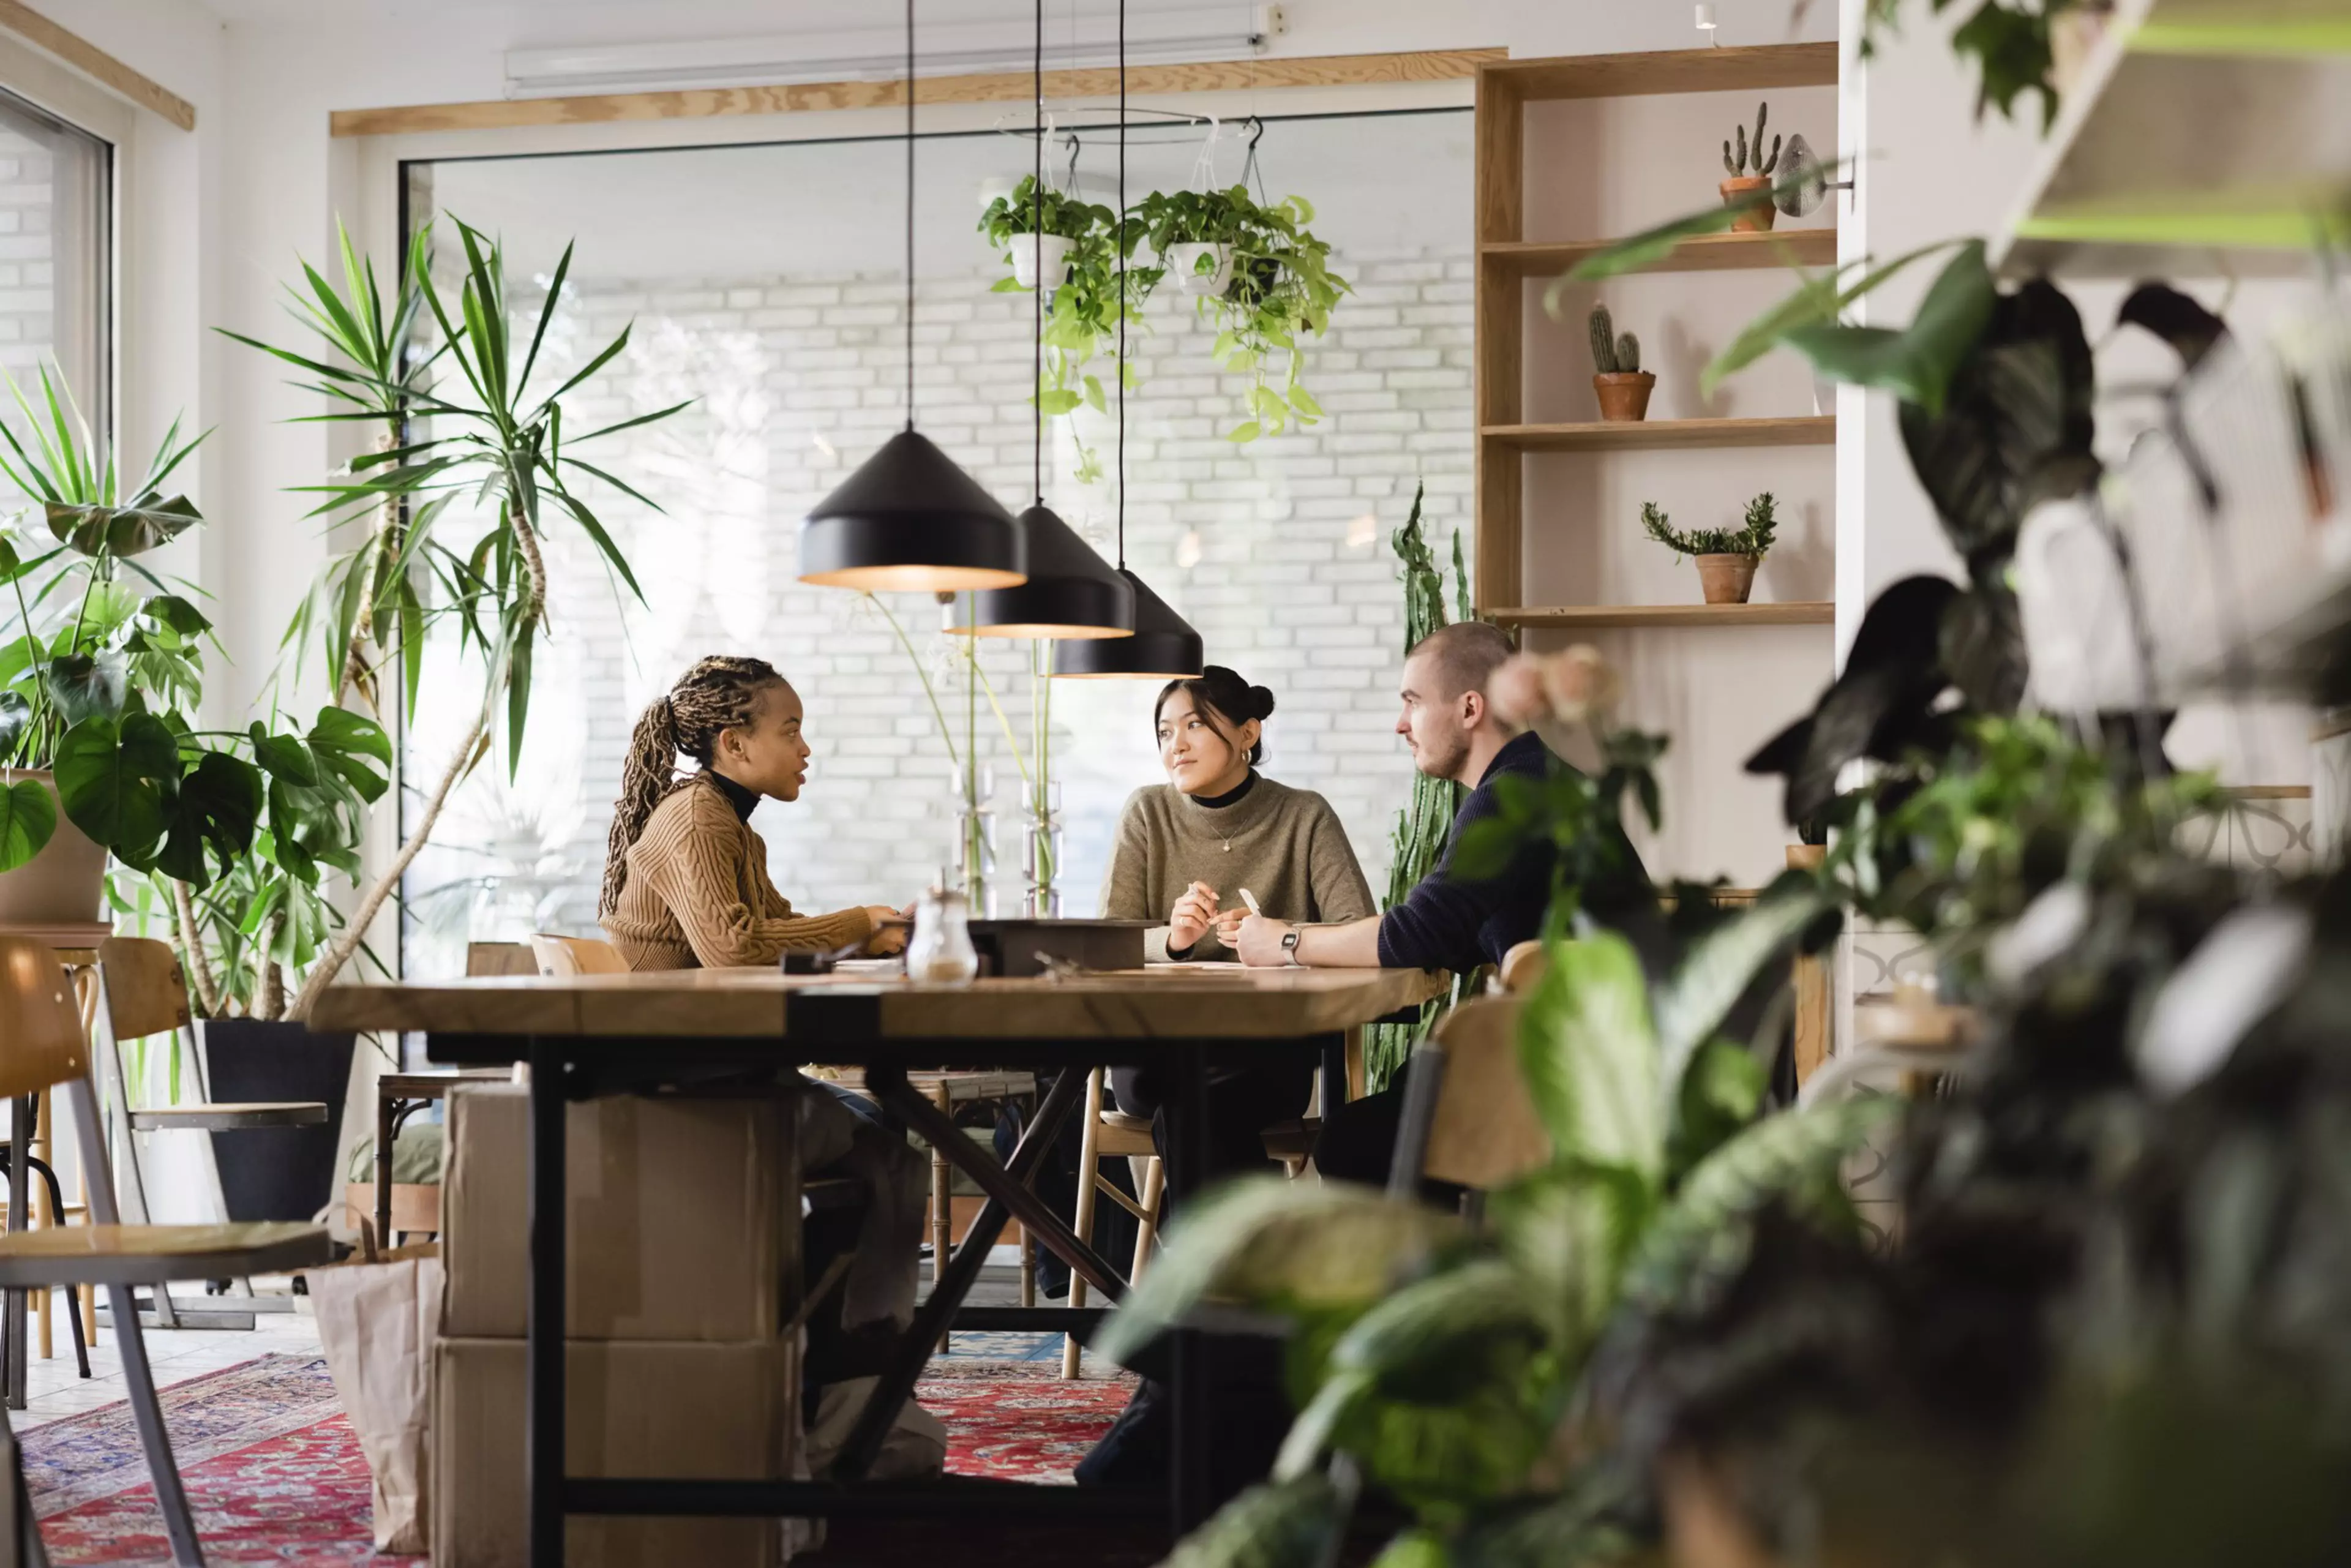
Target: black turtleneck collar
[(1230, 797), (738, 796)]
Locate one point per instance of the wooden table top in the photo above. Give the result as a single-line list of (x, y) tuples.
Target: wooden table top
[(1173, 1001)]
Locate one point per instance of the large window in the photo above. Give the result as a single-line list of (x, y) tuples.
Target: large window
[(766, 283), (55, 251)]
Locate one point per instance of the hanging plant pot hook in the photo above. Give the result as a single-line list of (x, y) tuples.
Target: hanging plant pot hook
[(1248, 169)]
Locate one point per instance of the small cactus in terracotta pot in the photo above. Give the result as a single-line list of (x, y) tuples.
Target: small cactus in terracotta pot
[(1750, 186), (1618, 380), (1726, 557)]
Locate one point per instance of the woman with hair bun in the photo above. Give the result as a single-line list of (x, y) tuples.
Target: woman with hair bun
[(1187, 848)]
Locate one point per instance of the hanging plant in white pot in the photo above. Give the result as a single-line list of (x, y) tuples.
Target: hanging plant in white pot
[(1262, 276)]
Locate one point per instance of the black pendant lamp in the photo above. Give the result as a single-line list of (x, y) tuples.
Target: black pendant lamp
[(909, 519), (1071, 592), (1164, 647)]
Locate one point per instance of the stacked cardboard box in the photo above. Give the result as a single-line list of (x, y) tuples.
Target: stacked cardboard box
[(680, 1241)]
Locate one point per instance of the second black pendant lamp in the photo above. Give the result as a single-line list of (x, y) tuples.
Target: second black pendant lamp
[(909, 519), (1164, 647), (1071, 592)]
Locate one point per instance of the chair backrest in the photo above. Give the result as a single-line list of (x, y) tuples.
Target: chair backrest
[(1523, 967), (577, 956), (500, 958), (1484, 1132), (146, 992), (41, 1040)]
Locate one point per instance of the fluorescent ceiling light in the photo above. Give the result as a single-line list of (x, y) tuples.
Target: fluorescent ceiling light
[(878, 54)]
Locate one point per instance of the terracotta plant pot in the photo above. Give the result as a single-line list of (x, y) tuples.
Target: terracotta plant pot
[(1624, 400), (62, 885), (1727, 579), (1757, 219)]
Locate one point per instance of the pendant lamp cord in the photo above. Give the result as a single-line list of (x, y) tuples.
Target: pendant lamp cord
[(910, 214), (1121, 244), (1037, 255)]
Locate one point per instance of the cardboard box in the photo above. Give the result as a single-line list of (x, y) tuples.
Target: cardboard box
[(683, 1218), (633, 1408)]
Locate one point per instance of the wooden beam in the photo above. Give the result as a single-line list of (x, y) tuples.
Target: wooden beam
[(998, 86), (1755, 69), (96, 63)]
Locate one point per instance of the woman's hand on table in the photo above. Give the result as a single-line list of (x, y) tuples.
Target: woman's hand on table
[(891, 938), (1195, 915), (1228, 926)]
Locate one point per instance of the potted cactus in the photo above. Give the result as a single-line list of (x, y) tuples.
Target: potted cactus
[(1618, 377), (1750, 186), (1726, 557)]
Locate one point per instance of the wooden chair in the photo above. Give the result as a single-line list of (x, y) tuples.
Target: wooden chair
[(41, 1045), (1467, 1118), (1523, 967), (1112, 1135), (142, 991), (577, 956)]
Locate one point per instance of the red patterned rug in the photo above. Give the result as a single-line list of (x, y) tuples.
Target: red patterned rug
[(274, 1474)]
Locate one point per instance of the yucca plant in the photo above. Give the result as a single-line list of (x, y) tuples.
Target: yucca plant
[(1449, 1366), (462, 421)]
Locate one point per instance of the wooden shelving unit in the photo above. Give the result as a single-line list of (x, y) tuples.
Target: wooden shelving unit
[(1705, 253), (1652, 435), (1601, 617), (1508, 258)]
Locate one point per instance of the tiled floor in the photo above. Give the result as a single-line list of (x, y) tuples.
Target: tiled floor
[(55, 1387)]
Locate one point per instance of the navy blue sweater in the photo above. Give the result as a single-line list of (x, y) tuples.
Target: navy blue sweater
[(1445, 924)]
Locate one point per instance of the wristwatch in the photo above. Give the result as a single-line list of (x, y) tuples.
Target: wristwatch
[(1290, 947)]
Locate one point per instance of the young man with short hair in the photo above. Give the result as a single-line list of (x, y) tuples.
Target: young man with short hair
[(1444, 923)]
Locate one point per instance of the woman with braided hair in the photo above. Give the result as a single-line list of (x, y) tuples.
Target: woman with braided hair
[(686, 879)]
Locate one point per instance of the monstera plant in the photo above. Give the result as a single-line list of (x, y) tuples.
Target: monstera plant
[(100, 680)]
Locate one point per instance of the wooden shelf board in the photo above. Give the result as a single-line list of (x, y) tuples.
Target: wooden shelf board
[(1582, 616), (1707, 253), (1761, 68), (1652, 434)]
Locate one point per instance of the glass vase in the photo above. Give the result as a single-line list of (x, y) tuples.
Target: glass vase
[(1041, 848), (976, 840)]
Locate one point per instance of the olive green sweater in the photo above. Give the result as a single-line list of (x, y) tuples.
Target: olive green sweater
[(1284, 845)]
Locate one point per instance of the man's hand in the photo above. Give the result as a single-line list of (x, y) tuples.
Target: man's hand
[(1259, 943), (1194, 913)]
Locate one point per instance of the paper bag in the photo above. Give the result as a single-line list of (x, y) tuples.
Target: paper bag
[(376, 1325)]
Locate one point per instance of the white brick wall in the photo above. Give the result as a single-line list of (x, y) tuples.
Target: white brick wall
[(796, 383)]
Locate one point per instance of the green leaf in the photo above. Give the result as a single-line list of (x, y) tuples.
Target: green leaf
[(1569, 1229), (1094, 398), (16, 713), (1244, 433), (340, 730), (1643, 250), (518, 700), (1719, 1096), (1820, 301), (1287, 1524), (1415, 1549), (86, 685), (1283, 1246), (1705, 1232), (170, 609), (125, 530), (1719, 968), (1591, 1057), (220, 806), (1057, 401), (111, 778), (28, 819), (1429, 1339), (1303, 401), (284, 757), (1916, 364)]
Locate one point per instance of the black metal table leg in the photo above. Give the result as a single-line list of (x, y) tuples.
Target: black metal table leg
[(1186, 1130), (387, 1128), (543, 1427), (937, 1313), (1334, 1073)]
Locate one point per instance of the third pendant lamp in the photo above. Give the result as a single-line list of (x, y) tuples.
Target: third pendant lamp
[(1164, 647), (909, 519), (1071, 592)]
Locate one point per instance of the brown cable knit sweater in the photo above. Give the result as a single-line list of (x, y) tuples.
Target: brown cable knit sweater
[(1284, 845), (698, 894)]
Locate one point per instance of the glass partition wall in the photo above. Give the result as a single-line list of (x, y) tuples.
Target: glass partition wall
[(766, 283), (56, 257)]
